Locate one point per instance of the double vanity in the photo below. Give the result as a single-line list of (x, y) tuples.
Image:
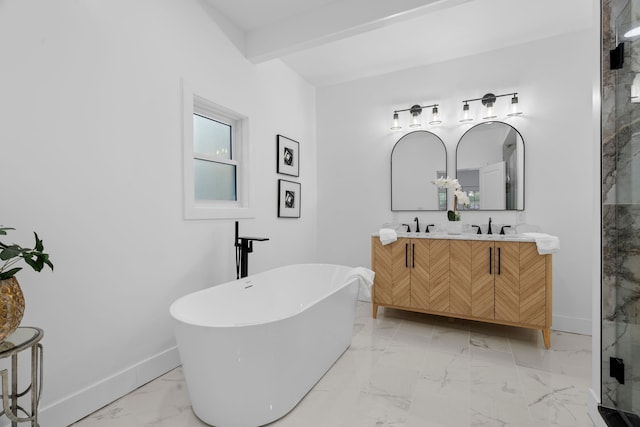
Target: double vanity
[(491, 278)]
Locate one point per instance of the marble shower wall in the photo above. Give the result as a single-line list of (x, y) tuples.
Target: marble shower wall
[(620, 213)]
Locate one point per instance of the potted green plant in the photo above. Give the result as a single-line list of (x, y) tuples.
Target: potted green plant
[(11, 297)]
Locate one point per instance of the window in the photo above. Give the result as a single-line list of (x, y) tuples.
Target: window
[(213, 164), (215, 159)]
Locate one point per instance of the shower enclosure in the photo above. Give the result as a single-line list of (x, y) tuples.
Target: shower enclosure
[(621, 212)]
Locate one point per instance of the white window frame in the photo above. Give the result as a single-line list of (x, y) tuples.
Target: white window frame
[(200, 103)]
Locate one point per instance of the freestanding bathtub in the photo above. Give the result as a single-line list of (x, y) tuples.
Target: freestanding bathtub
[(252, 348)]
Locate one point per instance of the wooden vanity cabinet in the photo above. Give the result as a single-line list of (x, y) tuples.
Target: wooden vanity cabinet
[(411, 273), (496, 281), (393, 280)]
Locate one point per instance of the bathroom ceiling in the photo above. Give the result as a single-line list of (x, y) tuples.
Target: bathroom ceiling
[(333, 41)]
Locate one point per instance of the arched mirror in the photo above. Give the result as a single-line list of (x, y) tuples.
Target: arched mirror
[(417, 159), (490, 167)]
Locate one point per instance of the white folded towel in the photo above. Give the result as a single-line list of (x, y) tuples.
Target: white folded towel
[(365, 277), (388, 235), (546, 243)]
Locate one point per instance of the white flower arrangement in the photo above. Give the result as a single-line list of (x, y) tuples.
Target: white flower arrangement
[(462, 197), (458, 195), (447, 183)]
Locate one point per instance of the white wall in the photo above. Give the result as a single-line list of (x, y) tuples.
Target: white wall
[(595, 230), (90, 158), (554, 81)]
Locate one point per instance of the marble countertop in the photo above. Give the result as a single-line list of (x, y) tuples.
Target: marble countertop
[(464, 236)]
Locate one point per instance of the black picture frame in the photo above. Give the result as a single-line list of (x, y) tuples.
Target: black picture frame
[(289, 199), (288, 156)]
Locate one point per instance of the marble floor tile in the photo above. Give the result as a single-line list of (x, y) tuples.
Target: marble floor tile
[(500, 410), (451, 338), (411, 370), (570, 354), (555, 399)]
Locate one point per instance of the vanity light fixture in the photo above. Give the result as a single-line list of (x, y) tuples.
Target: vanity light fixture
[(435, 117), (488, 100), (466, 116), (396, 122), (514, 110), (415, 111)]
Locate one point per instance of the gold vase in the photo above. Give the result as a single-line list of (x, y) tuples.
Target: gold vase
[(11, 306)]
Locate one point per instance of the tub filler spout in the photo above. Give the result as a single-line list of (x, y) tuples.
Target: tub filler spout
[(244, 246)]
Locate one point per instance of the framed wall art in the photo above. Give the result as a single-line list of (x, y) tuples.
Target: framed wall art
[(288, 156), (288, 199)]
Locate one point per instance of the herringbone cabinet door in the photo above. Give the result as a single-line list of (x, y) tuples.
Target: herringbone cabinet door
[(439, 265), (420, 280), (401, 272), (460, 277), (533, 297), (507, 273), (482, 279), (381, 259)]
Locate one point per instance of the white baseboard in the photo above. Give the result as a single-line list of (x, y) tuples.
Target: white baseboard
[(574, 325), (592, 408), (84, 402)]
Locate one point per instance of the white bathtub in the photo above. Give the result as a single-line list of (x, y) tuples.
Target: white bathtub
[(252, 348)]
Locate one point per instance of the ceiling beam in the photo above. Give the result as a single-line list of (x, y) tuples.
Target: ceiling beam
[(334, 21)]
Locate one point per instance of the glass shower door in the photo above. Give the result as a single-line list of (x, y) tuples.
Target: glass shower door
[(621, 222)]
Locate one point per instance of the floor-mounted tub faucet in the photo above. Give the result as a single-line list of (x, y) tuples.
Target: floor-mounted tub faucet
[(244, 246), (417, 224)]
